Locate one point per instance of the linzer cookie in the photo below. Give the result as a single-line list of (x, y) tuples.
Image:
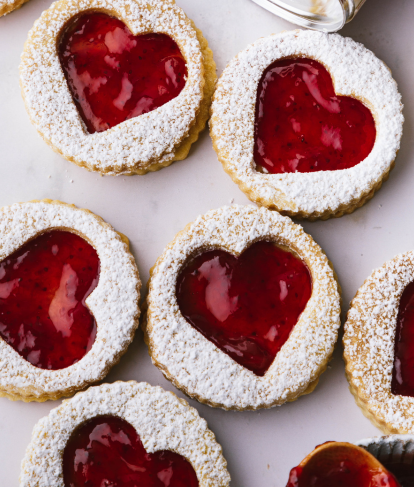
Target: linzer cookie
[(306, 123), (7, 6), (378, 343), (243, 309), (128, 434), (118, 87), (69, 291)]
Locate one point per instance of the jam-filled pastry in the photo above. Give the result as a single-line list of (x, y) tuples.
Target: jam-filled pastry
[(7, 6), (395, 452), (306, 123), (126, 434), (69, 292), (243, 309), (118, 87), (335, 464), (379, 346)]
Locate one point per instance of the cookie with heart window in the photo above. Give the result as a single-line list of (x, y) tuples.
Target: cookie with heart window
[(118, 87), (306, 123), (125, 434), (69, 299), (243, 309), (379, 346)]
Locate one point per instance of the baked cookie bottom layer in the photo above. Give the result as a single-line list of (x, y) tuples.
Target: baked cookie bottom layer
[(162, 421), (201, 399), (191, 376), (308, 390), (6, 8), (280, 206), (385, 427), (183, 148), (210, 79), (33, 393)]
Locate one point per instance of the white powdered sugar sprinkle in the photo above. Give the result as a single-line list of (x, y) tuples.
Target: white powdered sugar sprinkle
[(113, 303), (137, 142), (369, 341), (195, 364), (355, 71), (161, 419)]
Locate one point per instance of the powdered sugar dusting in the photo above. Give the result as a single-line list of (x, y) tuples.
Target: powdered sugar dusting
[(114, 302), (369, 343), (197, 366), (356, 72), (7, 6), (161, 419), (137, 143)]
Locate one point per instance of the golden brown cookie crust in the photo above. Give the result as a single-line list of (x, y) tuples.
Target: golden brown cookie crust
[(202, 371), (118, 281), (162, 420), (355, 72), (6, 6), (369, 341), (136, 146)]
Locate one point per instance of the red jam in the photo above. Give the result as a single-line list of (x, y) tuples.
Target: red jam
[(402, 382), (43, 287), (302, 126), (247, 305), (114, 76), (107, 452), (341, 467)]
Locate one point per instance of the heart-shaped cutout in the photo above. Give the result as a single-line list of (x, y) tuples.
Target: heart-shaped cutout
[(302, 126), (107, 451), (43, 287), (247, 305), (340, 465), (113, 75), (402, 383)]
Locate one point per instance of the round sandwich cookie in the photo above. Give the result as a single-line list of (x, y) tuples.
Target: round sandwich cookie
[(306, 123), (69, 299), (379, 345), (118, 87), (128, 434), (243, 309)]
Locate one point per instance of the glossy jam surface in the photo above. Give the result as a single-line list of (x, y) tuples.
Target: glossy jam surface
[(114, 76), (247, 305), (43, 287), (106, 451), (302, 126), (402, 382), (341, 467)]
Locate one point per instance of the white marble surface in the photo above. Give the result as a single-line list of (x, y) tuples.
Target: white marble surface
[(260, 447)]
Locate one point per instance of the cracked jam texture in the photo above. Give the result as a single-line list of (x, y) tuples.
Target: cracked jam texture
[(302, 126), (107, 451), (114, 76), (43, 287), (247, 305)]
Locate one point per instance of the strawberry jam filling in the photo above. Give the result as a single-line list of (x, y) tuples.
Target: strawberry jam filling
[(247, 305), (302, 126), (341, 467), (43, 287), (402, 382), (113, 75), (107, 452)]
